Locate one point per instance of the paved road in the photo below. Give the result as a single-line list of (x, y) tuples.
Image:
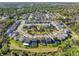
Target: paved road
[(38, 50), (19, 29)]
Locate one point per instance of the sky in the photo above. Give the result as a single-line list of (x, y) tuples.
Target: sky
[(39, 0)]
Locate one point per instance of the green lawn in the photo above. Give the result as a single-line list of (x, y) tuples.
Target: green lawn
[(16, 43)]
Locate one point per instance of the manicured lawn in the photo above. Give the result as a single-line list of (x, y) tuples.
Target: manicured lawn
[(31, 31), (19, 46), (38, 49), (16, 43)]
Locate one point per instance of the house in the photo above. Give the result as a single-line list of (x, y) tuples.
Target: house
[(15, 34), (67, 31), (57, 41), (48, 40), (26, 41), (43, 42), (61, 37), (10, 34), (52, 41), (17, 38), (33, 43), (4, 17), (66, 35), (13, 27), (67, 20), (61, 25), (9, 31), (21, 39), (52, 26)]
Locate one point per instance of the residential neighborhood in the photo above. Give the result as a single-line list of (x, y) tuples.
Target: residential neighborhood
[(21, 30), (39, 29)]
